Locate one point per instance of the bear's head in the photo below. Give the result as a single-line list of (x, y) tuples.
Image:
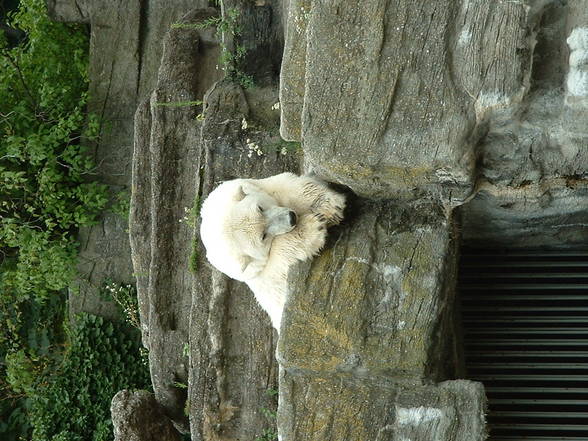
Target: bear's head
[(239, 223)]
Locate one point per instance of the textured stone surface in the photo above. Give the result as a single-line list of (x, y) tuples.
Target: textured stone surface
[(68, 10), (397, 112), (261, 25), (202, 329), (551, 213), (136, 416), (451, 411), (232, 343), (114, 72), (166, 155), (334, 408), (534, 164), (125, 52), (367, 324), (379, 302), (401, 128)]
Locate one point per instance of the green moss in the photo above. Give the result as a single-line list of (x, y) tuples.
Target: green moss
[(193, 214), (178, 104)]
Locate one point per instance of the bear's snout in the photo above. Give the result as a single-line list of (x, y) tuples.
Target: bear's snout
[(292, 218)]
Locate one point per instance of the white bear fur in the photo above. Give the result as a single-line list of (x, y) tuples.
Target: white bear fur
[(233, 229)]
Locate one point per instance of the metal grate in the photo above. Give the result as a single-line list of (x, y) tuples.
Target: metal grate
[(525, 317)]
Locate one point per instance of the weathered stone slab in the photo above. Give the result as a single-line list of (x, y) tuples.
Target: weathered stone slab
[(380, 112), (534, 165), (125, 52), (336, 408), (553, 213), (114, 73), (75, 11), (293, 69), (409, 104), (202, 329), (232, 366), (165, 168), (378, 303), (494, 75), (136, 416), (448, 411)]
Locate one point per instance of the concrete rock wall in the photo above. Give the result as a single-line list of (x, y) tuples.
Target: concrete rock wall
[(202, 329), (532, 188), (470, 104), (418, 108)]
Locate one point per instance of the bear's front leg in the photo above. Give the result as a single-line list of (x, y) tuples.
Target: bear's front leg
[(313, 232), (302, 243), (325, 202)]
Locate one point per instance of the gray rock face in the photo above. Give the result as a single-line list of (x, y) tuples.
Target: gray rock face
[(167, 132), (532, 185), (125, 45), (401, 128), (232, 343), (490, 102), (379, 302), (396, 112), (548, 213), (333, 409), (201, 329), (137, 416), (368, 326)]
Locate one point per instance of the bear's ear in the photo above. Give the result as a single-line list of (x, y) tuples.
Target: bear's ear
[(240, 194), (246, 188)]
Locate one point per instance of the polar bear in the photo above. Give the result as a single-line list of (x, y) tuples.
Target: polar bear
[(255, 229)]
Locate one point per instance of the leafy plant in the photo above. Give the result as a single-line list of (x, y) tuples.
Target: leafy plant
[(46, 194), (45, 191), (125, 295), (71, 401), (269, 433), (122, 204), (230, 60)]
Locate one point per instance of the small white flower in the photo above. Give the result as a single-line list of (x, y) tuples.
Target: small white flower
[(243, 124), (276, 106), (284, 151)]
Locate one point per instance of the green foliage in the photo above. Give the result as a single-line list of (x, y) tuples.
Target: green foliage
[(230, 60), (46, 194), (286, 147), (125, 296), (71, 401), (43, 168), (122, 204), (20, 372), (269, 433), (179, 104)]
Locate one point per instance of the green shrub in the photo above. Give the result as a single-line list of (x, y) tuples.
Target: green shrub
[(46, 194), (230, 61), (125, 296), (72, 400)]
